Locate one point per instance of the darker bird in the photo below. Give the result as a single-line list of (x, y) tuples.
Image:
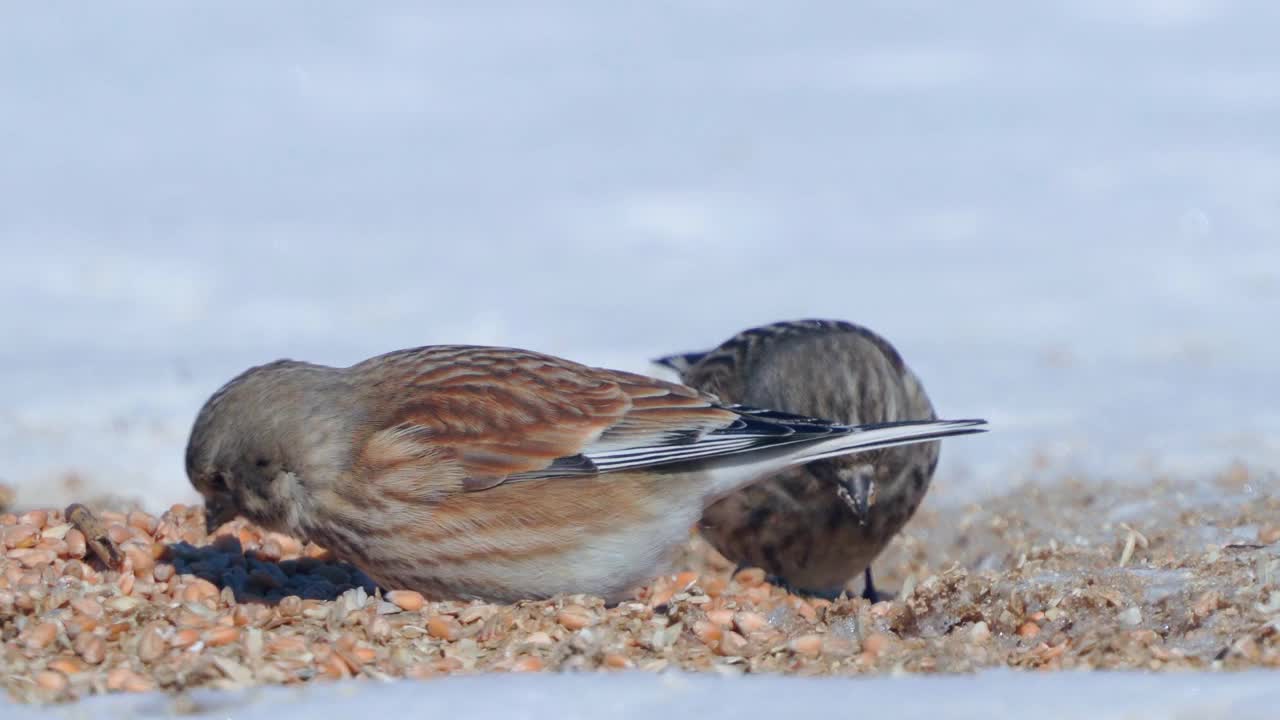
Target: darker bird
[(815, 526)]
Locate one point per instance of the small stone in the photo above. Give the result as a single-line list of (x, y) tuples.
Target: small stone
[(184, 638), (40, 636), (142, 521), (19, 536), (1130, 617), (79, 624), (123, 604), (526, 663), (290, 606), (151, 645), (118, 533), (220, 636), (379, 628), (140, 559), (34, 558), (76, 545), (731, 644), (66, 665), (51, 681), (617, 662), (875, 644), (91, 648), (1206, 605), (38, 518), (88, 607), (235, 672), (662, 596), (723, 618), (200, 590), (685, 580), (708, 632), (408, 600), (475, 613), (715, 587), (575, 617), (882, 609), (56, 532), (253, 643), (126, 680), (444, 627), (539, 638), (809, 645), (289, 547), (749, 623)]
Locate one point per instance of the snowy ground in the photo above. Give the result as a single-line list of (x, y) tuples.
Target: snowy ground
[(1066, 214), (1111, 696)]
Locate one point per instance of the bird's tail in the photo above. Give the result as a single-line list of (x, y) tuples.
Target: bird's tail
[(830, 440), (861, 438)]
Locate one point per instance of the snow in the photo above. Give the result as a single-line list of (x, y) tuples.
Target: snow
[(1065, 214), (986, 695)]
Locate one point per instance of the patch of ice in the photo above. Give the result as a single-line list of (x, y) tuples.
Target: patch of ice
[(982, 696)]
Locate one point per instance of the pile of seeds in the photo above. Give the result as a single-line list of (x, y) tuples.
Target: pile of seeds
[(1064, 575)]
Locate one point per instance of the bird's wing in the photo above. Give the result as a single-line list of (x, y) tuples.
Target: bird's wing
[(494, 415), (670, 423)]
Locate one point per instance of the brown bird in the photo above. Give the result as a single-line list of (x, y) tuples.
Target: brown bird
[(796, 525), (493, 473)]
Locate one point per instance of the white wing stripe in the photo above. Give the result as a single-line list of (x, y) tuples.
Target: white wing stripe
[(658, 457), (670, 449)]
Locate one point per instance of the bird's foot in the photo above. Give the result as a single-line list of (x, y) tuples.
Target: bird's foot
[(874, 594)]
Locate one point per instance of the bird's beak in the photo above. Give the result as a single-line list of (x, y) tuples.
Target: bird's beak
[(859, 493), (216, 514)]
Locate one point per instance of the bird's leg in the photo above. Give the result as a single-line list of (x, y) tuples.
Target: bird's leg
[(869, 588)]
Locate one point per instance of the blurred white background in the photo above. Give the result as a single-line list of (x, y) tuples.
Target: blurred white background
[(1065, 214)]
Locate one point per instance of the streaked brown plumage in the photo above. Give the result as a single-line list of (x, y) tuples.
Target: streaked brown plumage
[(493, 473), (794, 525)]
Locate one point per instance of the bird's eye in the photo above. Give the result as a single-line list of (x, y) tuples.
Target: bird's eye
[(218, 482)]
